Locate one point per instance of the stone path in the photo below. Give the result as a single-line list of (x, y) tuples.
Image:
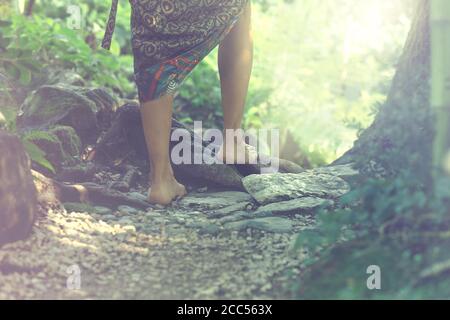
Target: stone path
[(209, 245)]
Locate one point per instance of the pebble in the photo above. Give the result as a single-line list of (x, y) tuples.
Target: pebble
[(180, 220), (128, 210), (103, 210), (137, 196), (109, 217), (121, 237), (125, 220), (211, 229), (202, 190), (130, 229)]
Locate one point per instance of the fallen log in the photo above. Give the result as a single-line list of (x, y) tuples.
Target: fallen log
[(53, 192)]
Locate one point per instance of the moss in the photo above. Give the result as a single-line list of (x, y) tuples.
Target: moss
[(102, 98), (51, 101), (40, 135), (60, 105), (69, 139), (79, 207)]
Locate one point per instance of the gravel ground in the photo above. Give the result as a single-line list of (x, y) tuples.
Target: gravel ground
[(158, 254)]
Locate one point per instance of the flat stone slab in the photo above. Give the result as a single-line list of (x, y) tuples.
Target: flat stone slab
[(216, 200), (244, 215), (269, 224), (223, 212), (270, 188), (295, 206)]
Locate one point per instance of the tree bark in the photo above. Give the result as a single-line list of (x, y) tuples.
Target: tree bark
[(404, 121), (440, 79), (29, 8)]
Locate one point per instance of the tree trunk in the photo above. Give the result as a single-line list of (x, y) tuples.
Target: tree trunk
[(404, 121), (29, 8), (18, 203), (440, 80)]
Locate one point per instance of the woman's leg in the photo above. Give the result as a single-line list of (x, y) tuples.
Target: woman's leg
[(157, 121), (235, 66)]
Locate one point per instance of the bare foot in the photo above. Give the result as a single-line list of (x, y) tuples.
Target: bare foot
[(166, 191), (237, 153)]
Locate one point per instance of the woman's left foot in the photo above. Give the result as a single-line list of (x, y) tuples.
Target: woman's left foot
[(166, 191)]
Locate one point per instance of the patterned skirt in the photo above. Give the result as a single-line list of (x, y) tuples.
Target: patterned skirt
[(170, 38)]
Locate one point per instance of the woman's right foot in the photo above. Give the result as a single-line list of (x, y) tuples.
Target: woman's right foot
[(166, 191), (238, 152)]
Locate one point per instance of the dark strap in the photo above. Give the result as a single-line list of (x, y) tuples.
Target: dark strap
[(106, 43)]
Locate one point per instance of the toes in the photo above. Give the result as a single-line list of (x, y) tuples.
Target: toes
[(166, 194), (181, 190)]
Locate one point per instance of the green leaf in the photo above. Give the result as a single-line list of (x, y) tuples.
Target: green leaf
[(37, 155), (9, 117), (25, 75)]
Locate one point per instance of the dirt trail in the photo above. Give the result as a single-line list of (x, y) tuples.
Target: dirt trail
[(160, 254)]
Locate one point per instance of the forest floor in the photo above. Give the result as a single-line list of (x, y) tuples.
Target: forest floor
[(162, 253)]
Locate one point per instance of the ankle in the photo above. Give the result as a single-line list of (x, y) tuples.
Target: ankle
[(161, 176), (237, 138)]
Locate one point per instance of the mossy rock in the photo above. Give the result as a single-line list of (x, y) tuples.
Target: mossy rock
[(52, 105), (69, 139), (58, 76), (106, 105), (86, 110)]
